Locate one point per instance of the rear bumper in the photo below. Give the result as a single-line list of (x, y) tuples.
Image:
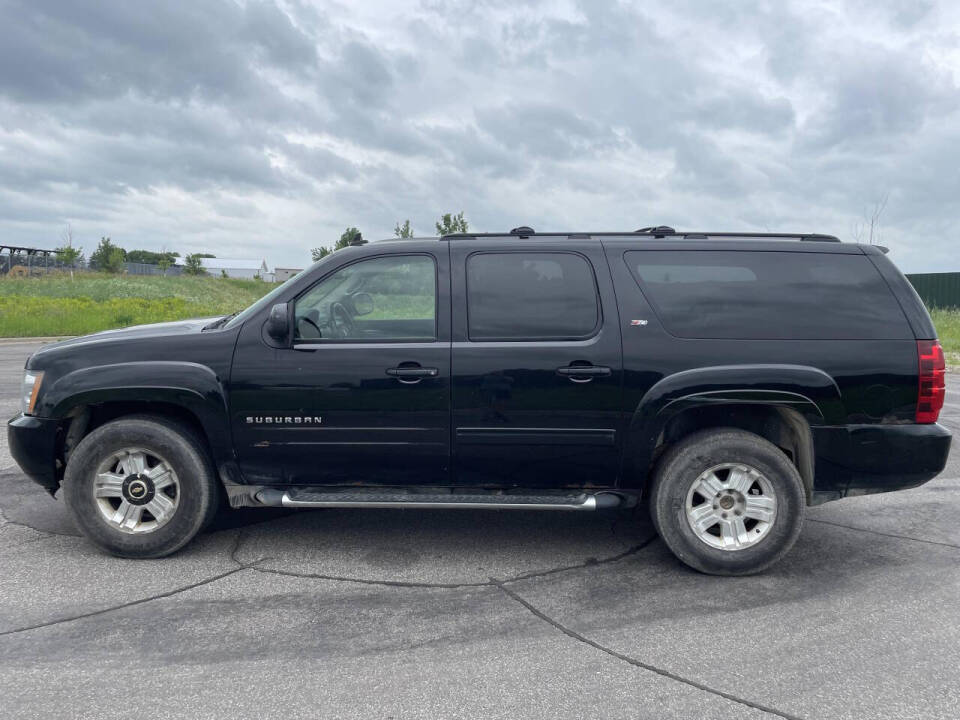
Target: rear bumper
[(32, 443), (863, 459)]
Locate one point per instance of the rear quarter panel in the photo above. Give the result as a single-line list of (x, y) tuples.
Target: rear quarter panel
[(875, 380)]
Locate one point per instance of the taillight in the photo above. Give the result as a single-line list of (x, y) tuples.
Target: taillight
[(933, 387)]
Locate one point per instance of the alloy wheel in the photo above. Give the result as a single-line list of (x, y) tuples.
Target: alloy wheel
[(731, 506), (136, 490)]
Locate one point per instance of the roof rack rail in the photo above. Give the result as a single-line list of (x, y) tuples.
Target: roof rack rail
[(657, 230), (817, 237)]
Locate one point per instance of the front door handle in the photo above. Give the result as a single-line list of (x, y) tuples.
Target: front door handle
[(583, 373), (411, 374)]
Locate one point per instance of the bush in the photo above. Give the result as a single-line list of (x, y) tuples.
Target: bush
[(193, 264), (108, 257)]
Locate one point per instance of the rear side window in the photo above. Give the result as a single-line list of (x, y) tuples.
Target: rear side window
[(768, 295), (531, 296)]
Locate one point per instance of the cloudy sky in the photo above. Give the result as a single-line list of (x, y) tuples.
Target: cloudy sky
[(262, 128)]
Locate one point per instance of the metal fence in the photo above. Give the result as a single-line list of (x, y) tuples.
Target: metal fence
[(26, 265), (145, 269), (940, 290)]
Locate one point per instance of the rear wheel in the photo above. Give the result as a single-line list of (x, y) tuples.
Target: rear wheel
[(727, 502), (140, 487)]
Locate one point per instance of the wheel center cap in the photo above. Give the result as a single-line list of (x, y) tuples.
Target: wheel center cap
[(138, 489), (726, 502)]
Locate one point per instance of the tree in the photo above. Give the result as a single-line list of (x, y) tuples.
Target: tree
[(193, 265), (450, 224), (346, 237), (114, 263), (148, 257), (166, 259), (869, 229), (67, 253), (403, 231), (108, 257)]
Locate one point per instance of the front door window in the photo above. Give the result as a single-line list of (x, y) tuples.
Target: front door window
[(385, 299)]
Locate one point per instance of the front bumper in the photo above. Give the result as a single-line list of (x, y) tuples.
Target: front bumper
[(864, 459), (33, 442)]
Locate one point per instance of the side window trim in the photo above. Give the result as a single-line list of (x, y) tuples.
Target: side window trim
[(598, 326), (316, 343)]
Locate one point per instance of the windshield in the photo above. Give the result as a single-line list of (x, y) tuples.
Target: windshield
[(266, 301)]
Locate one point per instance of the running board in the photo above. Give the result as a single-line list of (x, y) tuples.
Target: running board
[(389, 498)]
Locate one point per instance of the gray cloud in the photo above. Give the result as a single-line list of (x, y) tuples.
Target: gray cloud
[(266, 126)]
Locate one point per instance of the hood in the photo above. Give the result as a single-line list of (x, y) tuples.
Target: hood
[(135, 332)]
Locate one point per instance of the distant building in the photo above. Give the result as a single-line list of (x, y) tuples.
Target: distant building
[(283, 274), (235, 268)]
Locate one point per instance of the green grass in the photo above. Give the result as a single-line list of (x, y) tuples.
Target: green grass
[(948, 330), (55, 305)]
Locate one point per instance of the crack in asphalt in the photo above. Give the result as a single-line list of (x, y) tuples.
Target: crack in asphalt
[(132, 603), (884, 534), (238, 542), (242, 535), (590, 562), (44, 534), (159, 596), (4, 520), (633, 661), (364, 581)]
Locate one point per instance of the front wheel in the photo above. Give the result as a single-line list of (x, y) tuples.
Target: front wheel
[(727, 502), (140, 487)]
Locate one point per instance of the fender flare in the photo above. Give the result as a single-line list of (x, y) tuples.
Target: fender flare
[(191, 386), (804, 390)]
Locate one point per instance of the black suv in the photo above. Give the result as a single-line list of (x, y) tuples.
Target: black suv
[(725, 381)]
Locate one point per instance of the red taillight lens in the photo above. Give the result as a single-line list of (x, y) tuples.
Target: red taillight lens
[(933, 387)]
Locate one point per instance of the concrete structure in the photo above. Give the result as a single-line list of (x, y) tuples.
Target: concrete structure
[(283, 274)]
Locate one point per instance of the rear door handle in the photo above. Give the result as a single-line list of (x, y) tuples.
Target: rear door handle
[(583, 373), (414, 374)]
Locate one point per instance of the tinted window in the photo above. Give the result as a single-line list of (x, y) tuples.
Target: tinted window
[(768, 295), (530, 296), (381, 299)]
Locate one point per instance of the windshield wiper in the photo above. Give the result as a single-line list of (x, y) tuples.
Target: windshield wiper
[(220, 321)]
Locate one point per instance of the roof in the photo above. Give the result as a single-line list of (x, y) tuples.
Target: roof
[(667, 238)]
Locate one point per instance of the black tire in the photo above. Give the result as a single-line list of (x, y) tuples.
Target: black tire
[(198, 492), (680, 467)]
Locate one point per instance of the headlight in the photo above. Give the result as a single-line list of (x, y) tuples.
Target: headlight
[(31, 388)]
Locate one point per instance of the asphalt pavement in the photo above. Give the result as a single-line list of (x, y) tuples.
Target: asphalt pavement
[(470, 614)]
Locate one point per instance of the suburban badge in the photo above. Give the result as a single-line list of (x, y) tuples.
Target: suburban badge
[(284, 419)]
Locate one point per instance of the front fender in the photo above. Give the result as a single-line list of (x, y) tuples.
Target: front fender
[(807, 390), (191, 386)]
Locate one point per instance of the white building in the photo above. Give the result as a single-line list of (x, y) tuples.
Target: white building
[(283, 274), (236, 268)]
